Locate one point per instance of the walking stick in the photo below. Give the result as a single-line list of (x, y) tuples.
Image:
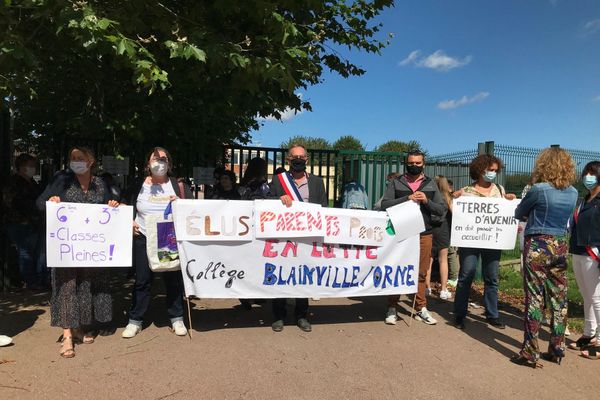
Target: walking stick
[(189, 316), (412, 310)]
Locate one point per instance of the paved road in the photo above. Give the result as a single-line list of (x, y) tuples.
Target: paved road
[(351, 354)]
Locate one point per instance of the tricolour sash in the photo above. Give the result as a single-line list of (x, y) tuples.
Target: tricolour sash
[(289, 186)]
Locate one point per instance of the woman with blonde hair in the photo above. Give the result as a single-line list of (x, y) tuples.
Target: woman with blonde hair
[(546, 207), (441, 240)]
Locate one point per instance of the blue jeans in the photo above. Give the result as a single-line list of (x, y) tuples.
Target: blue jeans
[(26, 238), (142, 289), (490, 262)]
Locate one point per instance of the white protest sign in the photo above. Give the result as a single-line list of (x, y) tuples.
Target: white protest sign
[(407, 219), (203, 175), (298, 268), (272, 219), (213, 220), (88, 235), (484, 223), (361, 227)]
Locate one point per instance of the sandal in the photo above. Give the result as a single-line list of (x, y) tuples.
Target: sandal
[(520, 360), (593, 352), (582, 343), (69, 352), (85, 338)]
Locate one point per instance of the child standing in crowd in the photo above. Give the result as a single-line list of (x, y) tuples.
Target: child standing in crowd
[(441, 240)]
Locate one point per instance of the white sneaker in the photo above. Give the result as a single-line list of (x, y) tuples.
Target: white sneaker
[(179, 328), (130, 331), (391, 316), (567, 331), (427, 292), (424, 316), (452, 282), (5, 340), (445, 295)]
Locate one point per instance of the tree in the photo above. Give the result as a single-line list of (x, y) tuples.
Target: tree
[(188, 74), (348, 142), (310, 143), (396, 146)]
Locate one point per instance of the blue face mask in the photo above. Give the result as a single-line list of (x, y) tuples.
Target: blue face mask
[(489, 176), (590, 181)]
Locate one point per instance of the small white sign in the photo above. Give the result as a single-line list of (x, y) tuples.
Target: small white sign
[(88, 235)]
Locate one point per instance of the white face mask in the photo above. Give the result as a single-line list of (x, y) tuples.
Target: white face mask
[(158, 168), (79, 167), (29, 171)]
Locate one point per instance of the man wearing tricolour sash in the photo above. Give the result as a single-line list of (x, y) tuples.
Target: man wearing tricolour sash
[(296, 185)]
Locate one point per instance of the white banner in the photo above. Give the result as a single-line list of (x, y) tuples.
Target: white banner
[(407, 219), (302, 268), (88, 235), (213, 220), (360, 227), (272, 219), (484, 223)]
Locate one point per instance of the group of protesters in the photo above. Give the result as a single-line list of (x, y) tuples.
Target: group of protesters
[(81, 301)]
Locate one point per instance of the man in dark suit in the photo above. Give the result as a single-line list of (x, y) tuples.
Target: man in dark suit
[(312, 190)]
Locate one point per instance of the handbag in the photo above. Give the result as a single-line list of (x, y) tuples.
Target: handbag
[(161, 242)]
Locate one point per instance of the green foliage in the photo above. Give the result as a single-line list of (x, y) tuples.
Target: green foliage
[(397, 146), (348, 142), (187, 74), (308, 142)]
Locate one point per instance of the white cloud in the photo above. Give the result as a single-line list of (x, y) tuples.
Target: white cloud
[(286, 115), (438, 61), (463, 101), (412, 57), (591, 27)]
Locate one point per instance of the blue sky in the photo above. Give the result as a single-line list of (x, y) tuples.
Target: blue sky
[(518, 72)]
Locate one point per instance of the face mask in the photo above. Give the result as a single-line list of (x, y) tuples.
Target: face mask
[(489, 176), (79, 167), (29, 171), (298, 164), (590, 182), (158, 168), (414, 170)]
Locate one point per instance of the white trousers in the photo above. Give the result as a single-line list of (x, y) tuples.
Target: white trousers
[(587, 275)]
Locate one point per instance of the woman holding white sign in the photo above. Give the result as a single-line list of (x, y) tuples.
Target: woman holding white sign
[(81, 297), (151, 197), (546, 207), (483, 170), (585, 239)]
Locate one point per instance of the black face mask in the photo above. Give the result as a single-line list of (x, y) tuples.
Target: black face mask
[(414, 170), (298, 164)]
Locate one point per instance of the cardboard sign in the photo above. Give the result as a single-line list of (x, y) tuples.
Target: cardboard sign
[(213, 220), (272, 219), (407, 219), (88, 235), (484, 223)]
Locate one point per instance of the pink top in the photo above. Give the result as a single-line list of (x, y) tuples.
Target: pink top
[(414, 185)]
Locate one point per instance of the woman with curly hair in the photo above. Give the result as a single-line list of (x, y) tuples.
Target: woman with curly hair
[(546, 207), (483, 170)]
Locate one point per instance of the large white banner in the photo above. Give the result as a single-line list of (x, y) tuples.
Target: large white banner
[(484, 223), (88, 235), (298, 268), (213, 220), (272, 219)]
